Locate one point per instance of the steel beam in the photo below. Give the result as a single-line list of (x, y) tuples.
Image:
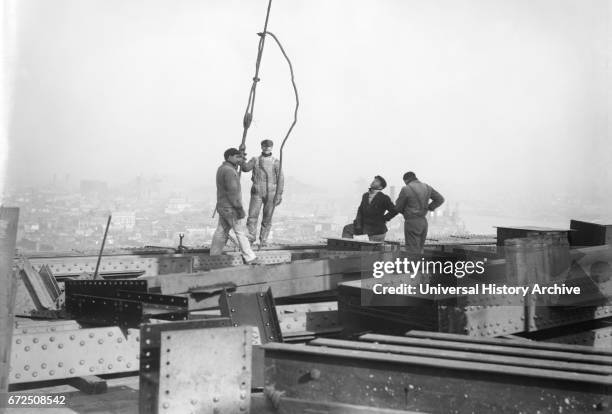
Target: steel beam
[(423, 384), (51, 355), (8, 235)]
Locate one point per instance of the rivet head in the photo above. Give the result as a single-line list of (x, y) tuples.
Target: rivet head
[(51, 372), (82, 343), (27, 348), (100, 341), (119, 340), (91, 335), (72, 337), (215, 399), (35, 374), (60, 364), (101, 361), (60, 346), (44, 346), (35, 340), (72, 370), (91, 369), (18, 341), (52, 339), (165, 405), (26, 368), (81, 362), (43, 365)]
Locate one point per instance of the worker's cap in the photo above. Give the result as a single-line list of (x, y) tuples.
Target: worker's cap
[(267, 143), (383, 182), (230, 152)]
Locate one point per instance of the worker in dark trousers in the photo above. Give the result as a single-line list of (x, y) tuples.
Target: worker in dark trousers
[(414, 203), (229, 207), (266, 192), (375, 210)]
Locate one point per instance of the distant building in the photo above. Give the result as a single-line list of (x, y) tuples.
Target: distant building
[(177, 206), (92, 186), (125, 220)]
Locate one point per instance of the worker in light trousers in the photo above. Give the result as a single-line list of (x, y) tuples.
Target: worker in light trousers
[(266, 192)]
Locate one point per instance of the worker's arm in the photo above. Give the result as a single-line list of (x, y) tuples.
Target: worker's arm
[(400, 204), (391, 210), (248, 166), (436, 200)]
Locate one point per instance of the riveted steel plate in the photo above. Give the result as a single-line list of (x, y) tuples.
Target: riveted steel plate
[(172, 301), (597, 338), (104, 311), (73, 266), (256, 309), (150, 335), (23, 326), (318, 321), (482, 321), (105, 288), (205, 371), (73, 353), (206, 262)]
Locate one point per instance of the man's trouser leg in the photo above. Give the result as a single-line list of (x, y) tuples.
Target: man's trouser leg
[(348, 231), (266, 219), (415, 233), (377, 237), (228, 220), (220, 237), (254, 208)]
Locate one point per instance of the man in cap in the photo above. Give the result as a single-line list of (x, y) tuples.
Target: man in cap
[(229, 207), (266, 192), (413, 203), (375, 210)]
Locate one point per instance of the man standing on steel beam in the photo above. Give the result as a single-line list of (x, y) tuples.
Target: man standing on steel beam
[(413, 203), (375, 210), (268, 183), (229, 207)]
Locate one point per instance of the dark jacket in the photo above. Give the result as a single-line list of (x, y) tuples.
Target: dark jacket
[(228, 187), (371, 217), (413, 200)]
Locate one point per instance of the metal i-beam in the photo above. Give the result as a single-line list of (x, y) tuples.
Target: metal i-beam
[(423, 384)]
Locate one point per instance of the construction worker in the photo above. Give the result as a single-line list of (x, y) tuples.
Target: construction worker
[(229, 207), (413, 203), (375, 210), (267, 191)]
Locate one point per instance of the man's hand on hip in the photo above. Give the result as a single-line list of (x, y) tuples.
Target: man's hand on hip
[(278, 200), (240, 213)]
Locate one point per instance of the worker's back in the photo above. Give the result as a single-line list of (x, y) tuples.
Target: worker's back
[(413, 199), (228, 186)]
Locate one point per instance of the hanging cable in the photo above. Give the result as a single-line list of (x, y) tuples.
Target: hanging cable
[(248, 113), (295, 114)]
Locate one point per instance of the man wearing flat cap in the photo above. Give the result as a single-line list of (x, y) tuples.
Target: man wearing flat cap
[(266, 192), (229, 207)]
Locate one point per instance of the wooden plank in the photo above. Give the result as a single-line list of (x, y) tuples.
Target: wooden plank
[(9, 217), (519, 342)]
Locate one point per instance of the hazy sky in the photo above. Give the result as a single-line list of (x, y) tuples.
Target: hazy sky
[(476, 96)]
